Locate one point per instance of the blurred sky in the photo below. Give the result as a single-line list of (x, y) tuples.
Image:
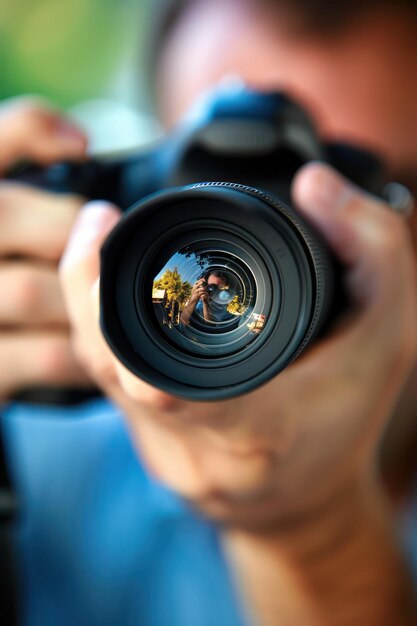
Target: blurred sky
[(85, 56)]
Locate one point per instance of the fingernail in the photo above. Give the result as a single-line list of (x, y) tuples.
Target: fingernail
[(94, 219), (321, 188)]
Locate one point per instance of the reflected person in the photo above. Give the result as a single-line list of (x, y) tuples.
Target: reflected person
[(203, 303)]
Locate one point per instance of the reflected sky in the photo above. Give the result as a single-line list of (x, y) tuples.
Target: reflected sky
[(180, 262)]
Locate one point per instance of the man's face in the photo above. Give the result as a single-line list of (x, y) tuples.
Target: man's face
[(216, 280), (359, 84)]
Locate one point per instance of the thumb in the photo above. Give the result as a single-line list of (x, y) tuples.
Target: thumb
[(365, 234), (80, 264)]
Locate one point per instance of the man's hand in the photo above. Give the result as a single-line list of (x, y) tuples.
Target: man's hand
[(291, 467), (34, 226), (198, 292), (312, 430)]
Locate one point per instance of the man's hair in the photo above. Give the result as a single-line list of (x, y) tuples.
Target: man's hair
[(216, 273), (314, 15)]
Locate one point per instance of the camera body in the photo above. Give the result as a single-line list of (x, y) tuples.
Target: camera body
[(212, 212), (222, 213)]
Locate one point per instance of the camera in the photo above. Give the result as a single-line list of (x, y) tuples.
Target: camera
[(211, 284)]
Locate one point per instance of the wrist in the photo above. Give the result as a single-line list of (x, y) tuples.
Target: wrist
[(339, 566)]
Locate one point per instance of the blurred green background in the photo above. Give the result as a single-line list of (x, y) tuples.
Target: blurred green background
[(78, 51), (67, 50)]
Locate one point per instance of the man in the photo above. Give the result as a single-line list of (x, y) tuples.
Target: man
[(202, 302), (290, 471)]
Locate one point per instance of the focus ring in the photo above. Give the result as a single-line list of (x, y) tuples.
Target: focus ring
[(319, 256)]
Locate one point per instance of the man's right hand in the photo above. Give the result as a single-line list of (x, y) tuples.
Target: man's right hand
[(34, 226), (199, 291)]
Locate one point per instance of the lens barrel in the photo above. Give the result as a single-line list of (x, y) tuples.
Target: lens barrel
[(209, 291)]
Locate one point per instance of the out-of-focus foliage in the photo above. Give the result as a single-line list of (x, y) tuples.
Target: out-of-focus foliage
[(176, 289), (65, 50)]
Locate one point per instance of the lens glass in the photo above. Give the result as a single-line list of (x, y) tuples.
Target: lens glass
[(210, 300)]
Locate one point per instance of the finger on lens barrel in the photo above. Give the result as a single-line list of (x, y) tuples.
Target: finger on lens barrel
[(80, 264), (370, 239)]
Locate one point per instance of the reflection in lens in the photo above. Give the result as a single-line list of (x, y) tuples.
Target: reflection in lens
[(207, 301)]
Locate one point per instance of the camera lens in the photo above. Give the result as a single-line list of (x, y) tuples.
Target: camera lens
[(205, 297), (209, 291)]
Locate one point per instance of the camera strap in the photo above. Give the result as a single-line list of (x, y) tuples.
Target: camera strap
[(8, 508)]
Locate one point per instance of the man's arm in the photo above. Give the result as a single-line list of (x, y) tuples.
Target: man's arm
[(340, 567), (206, 312), (198, 292), (290, 468)]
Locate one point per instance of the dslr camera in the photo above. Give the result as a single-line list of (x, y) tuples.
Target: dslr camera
[(211, 283)]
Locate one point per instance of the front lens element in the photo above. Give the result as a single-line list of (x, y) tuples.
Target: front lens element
[(208, 300)]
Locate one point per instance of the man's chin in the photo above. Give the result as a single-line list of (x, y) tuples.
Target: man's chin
[(251, 514)]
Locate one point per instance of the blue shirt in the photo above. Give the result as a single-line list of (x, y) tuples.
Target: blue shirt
[(218, 312), (99, 542)]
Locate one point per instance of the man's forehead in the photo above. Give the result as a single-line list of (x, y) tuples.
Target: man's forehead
[(358, 87), (216, 279)]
